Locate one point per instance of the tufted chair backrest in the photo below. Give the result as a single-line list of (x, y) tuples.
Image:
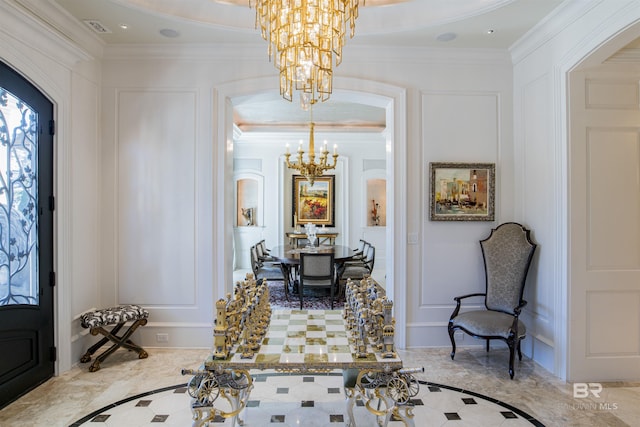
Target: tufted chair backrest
[(317, 265), (507, 254)]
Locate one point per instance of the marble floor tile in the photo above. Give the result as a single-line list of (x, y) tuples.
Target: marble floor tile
[(71, 396)]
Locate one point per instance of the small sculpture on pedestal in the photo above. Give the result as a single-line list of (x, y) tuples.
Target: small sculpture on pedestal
[(312, 234), (247, 213), (375, 218)]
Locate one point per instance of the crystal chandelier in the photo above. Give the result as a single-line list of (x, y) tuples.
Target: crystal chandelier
[(310, 169), (305, 39)]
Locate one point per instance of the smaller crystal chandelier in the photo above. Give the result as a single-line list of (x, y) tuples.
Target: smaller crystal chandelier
[(310, 169)]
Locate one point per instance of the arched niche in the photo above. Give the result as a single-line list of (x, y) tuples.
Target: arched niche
[(249, 215), (249, 200), (375, 202)]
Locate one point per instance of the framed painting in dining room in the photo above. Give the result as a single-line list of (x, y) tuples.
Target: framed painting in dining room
[(313, 204), (462, 191)]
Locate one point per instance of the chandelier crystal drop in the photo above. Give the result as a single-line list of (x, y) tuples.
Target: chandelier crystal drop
[(305, 40), (310, 169)]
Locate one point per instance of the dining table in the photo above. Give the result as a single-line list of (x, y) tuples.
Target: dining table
[(289, 258)]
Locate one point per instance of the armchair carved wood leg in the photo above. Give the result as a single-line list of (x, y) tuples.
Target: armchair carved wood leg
[(519, 350), (512, 349), (453, 343)]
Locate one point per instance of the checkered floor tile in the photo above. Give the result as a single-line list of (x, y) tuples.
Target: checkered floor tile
[(290, 400)]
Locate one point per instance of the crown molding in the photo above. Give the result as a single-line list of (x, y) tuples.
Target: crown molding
[(360, 53), (55, 33), (558, 20)]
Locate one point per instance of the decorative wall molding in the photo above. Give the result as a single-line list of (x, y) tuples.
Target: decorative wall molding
[(357, 53), (610, 311), (52, 32)]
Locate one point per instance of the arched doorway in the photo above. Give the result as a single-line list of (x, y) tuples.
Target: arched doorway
[(393, 99), (605, 206)]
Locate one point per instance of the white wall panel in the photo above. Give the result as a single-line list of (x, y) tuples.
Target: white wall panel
[(85, 232), (612, 93), (535, 189), (608, 312), (613, 192), (461, 126), (457, 126), (156, 197)]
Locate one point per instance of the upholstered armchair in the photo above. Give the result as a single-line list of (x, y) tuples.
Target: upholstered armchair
[(507, 254)]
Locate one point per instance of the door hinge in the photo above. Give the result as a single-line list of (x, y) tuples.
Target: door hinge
[(52, 203), (53, 354), (52, 127), (52, 278)]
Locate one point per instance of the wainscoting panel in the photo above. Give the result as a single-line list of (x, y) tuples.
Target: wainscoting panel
[(156, 201), (613, 171), (618, 94), (610, 314), (536, 212), (458, 126)]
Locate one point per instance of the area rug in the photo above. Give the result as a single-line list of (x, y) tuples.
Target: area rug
[(319, 300), (285, 400)]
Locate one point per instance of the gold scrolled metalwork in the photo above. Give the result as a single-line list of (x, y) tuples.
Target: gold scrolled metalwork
[(234, 386), (310, 169)]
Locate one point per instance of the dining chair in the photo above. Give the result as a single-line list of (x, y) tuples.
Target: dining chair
[(359, 267), (268, 271), (361, 250), (317, 271), (263, 253)]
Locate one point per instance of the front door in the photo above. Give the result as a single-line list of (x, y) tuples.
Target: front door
[(27, 352)]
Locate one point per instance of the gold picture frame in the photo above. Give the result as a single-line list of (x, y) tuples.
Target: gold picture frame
[(313, 204)]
